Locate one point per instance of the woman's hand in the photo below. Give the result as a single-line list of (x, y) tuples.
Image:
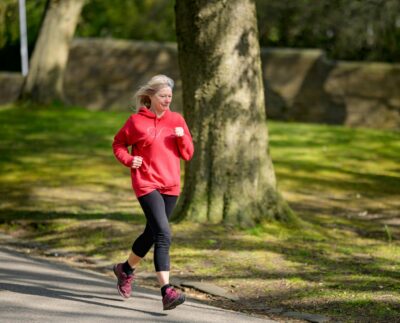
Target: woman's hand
[(179, 131), (137, 161)]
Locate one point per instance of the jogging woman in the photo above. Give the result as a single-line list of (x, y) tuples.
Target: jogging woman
[(158, 138)]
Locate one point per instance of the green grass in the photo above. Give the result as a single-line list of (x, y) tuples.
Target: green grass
[(61, 186)]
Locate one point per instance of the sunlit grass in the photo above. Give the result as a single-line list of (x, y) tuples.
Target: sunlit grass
[(61, 186)]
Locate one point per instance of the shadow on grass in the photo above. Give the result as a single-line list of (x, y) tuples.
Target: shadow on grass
[(355, 310), (38, 216), (374, 184), (88, 233), (312, 259)]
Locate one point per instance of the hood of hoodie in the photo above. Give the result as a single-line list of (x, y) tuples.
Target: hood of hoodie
[(145, 112)]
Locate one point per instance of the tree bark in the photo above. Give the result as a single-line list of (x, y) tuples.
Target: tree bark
[(44, 83), (231, 177)]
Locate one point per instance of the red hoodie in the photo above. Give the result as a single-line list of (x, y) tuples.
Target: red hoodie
[(154, 139)]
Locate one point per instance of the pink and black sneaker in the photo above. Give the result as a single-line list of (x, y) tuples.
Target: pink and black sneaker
[(124, 281), (172, 299)]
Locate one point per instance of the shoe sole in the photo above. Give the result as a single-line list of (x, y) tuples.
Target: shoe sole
[(118, 288), (175, 303)]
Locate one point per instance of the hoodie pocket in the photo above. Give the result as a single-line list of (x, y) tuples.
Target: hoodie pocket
[(145, 167)]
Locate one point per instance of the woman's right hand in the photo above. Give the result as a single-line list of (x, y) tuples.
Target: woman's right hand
[(137, 161)]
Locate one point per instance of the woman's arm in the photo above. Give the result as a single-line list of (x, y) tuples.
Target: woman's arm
[(122, 140), (185, 143)]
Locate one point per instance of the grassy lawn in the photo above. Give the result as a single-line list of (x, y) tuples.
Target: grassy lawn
[(61, 186)]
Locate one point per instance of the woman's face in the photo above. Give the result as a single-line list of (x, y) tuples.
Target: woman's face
[(161, 100)]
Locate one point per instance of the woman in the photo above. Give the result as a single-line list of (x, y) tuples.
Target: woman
[(159, 138)]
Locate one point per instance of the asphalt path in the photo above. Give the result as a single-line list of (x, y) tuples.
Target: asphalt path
[(38, 290)]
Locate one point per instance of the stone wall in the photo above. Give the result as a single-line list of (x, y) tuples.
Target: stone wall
[(105, 73), (10, 86), (300, 85)]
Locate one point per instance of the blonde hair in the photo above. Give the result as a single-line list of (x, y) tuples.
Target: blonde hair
[(156, 83)]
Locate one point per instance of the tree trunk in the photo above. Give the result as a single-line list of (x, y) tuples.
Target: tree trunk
[(44, 83), (231, 178)]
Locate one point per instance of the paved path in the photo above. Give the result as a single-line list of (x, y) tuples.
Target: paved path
[(36, 290)]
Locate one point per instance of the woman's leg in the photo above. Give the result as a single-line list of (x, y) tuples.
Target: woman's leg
[(158, 208), (157, 212), (145, 241), (169, 202), (124, 271), (133, 260), (141, 246)]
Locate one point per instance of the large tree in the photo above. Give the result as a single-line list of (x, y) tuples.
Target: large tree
[(231, 177), (44, 82)]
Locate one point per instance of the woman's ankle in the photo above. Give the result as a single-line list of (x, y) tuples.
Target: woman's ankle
[(164, 289), (126, 267)]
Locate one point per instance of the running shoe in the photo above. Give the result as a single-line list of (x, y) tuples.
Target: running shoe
[(172, 299), (124, 284)]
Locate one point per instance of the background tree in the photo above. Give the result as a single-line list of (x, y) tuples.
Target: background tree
[(44, 82), (231, 177)]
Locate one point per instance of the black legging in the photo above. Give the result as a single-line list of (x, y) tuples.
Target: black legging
[(157, 208)]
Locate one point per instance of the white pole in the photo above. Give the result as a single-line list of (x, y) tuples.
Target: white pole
[(23, 36)]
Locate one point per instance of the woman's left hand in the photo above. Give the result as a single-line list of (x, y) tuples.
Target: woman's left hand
[(179, 131)]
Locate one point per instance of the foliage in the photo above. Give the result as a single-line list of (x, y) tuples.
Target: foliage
[(129, 19), (9, 30), (61, 186), (138, 19), (350, 30)]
